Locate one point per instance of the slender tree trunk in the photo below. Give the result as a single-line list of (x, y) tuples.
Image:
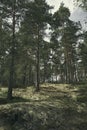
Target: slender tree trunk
[(11, 77), (24, 75), (45, 72), (66, 72), (31, 75), (38, 62), (56, 79)]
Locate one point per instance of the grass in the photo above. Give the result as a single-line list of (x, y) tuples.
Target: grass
[(55, 107)]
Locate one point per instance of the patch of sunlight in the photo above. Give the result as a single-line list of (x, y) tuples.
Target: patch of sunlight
[(1, 128), (3, 92), (74, 97), (80, 107), (39, 97)]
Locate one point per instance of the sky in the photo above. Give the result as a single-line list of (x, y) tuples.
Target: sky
[(56, 3), (77, 14)]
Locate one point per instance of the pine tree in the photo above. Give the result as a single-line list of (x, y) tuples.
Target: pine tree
[(11, 14), (37, 17)]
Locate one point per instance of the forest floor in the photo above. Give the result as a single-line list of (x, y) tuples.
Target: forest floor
[(55, 107)]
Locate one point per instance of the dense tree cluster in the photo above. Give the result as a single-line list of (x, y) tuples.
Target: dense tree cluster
[(26, 58)]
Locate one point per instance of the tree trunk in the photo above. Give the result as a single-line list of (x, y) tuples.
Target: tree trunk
[(38, 62), (45, 72), (11, 77), (24, 74)]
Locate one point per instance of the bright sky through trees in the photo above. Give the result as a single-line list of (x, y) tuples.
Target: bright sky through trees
[(56, 4), (77, 14)]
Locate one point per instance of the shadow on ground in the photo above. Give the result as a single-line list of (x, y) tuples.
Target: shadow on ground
[(4, 101), (53, 108)]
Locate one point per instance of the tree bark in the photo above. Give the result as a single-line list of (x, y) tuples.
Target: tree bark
[(11, 77), (38, 61)]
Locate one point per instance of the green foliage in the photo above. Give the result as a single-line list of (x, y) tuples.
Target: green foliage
[(61, 16), (26, 58)]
